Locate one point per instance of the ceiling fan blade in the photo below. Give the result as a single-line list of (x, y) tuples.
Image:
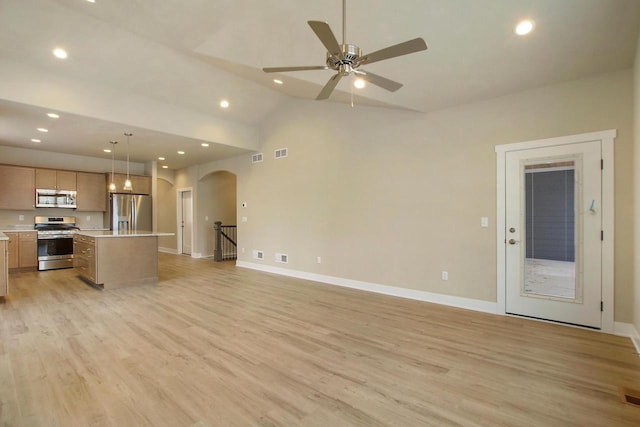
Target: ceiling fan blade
[(285, 69), (324, 33), (377, 80), (329, 87), (400, 49)]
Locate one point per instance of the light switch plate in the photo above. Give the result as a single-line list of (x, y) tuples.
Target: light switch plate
[(244, 219), (484, 221)]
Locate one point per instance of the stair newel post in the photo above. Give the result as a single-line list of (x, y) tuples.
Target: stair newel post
[(217, 253)]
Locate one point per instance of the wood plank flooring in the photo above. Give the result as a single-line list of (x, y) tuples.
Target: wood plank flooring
[(213, 345)]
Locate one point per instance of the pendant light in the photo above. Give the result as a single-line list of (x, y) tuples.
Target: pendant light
[(112, 186), (127, 183)]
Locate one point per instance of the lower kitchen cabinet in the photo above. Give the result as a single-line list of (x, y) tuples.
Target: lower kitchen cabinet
[(4, 268), (84, 257), (22, 250)]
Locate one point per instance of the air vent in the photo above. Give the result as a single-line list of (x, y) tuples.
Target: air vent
[(630, 396), (281, 153), (258, 254), (257, 158), (282, 258)]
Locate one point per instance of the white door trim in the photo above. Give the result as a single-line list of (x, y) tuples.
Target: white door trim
[(179, 192), (607, 138)]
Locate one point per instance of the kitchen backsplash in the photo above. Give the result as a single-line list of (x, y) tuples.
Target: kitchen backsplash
[(85, 220)]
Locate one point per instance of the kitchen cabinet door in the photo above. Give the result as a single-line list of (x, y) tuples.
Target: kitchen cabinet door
[(141, 184), (12, 247), (28, 251), (92, 192), (66, 180), (52, 179), (18, 190)]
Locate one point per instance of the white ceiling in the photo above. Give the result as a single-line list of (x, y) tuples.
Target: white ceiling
[(159, 68)]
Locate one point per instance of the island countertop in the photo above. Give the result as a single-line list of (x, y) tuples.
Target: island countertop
[(115, 233), (3, 236)]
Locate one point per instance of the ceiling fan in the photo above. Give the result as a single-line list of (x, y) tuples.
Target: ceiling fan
[(347, 58)]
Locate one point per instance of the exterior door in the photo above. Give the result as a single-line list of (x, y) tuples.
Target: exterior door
[(553, 235)]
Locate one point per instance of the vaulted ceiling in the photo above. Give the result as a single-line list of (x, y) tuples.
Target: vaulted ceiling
[(160, 68)]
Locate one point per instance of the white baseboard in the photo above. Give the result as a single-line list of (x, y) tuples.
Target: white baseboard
[(453, 301), (628, 330), (168, 250)]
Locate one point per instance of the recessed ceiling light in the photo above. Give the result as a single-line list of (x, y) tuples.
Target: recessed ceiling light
[(524, 27), (165, 167), (359, 83), (106, 150), (180, 152), (91, 1), (160, 158), (35, 140), (43, 130), (278, 81), (60, 53), (204, 144), (53, 115), (224, 103)]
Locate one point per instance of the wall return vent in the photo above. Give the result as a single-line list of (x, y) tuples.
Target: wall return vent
[(281, 153), (257, 158), (258, 254), (282, 258)]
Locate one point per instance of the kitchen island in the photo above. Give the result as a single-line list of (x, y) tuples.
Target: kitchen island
[(4, 265), (113, 259)]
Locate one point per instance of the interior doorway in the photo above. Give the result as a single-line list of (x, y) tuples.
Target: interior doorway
[(185, 221), (555, 229)]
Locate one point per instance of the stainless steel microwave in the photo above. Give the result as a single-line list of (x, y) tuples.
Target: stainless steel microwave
[(46, 198)]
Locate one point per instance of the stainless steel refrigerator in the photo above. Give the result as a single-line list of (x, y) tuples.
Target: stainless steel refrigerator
[(130, 212)]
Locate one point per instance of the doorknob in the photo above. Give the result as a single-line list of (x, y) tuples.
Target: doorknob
[(513, 241)]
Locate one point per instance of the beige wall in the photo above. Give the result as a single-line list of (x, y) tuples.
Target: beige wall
[(166, 213), (396, 197)]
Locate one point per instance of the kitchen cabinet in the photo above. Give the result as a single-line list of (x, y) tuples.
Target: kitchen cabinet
[(4, 268), (18, 190), (52, 179), (84, 257), (22, 250), (92, 193), (141, 184)]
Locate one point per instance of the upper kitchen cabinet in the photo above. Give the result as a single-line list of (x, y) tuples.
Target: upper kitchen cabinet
[(18, 190), (140, 184), (51, 179), (92, 194)]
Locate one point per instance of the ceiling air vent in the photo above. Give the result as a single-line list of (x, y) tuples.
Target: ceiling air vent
[(281, 153), (282, 258), (257, 158), (258, 254)]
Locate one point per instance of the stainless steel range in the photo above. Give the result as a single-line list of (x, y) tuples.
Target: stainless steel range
[(55, 241)]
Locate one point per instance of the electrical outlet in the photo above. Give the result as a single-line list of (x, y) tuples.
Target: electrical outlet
[(88, 217), (484, 222), (206, 218), (244, 219), (20, 217), (445, 275), (319, 260), (242, 250)]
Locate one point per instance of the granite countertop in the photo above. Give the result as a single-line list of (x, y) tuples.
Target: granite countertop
[(115, 233), (16, 228)]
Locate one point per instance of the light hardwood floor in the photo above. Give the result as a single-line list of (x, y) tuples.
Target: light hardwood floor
[(212, 345)]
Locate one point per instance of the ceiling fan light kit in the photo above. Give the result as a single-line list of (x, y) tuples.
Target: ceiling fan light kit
[(345, 58)]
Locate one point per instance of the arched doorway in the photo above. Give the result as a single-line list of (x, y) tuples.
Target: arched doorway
[(217, 201)]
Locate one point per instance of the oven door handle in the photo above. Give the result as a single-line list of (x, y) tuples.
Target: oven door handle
[(52, 237)]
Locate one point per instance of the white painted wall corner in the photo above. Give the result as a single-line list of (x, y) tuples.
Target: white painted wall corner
[(628, 330)]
